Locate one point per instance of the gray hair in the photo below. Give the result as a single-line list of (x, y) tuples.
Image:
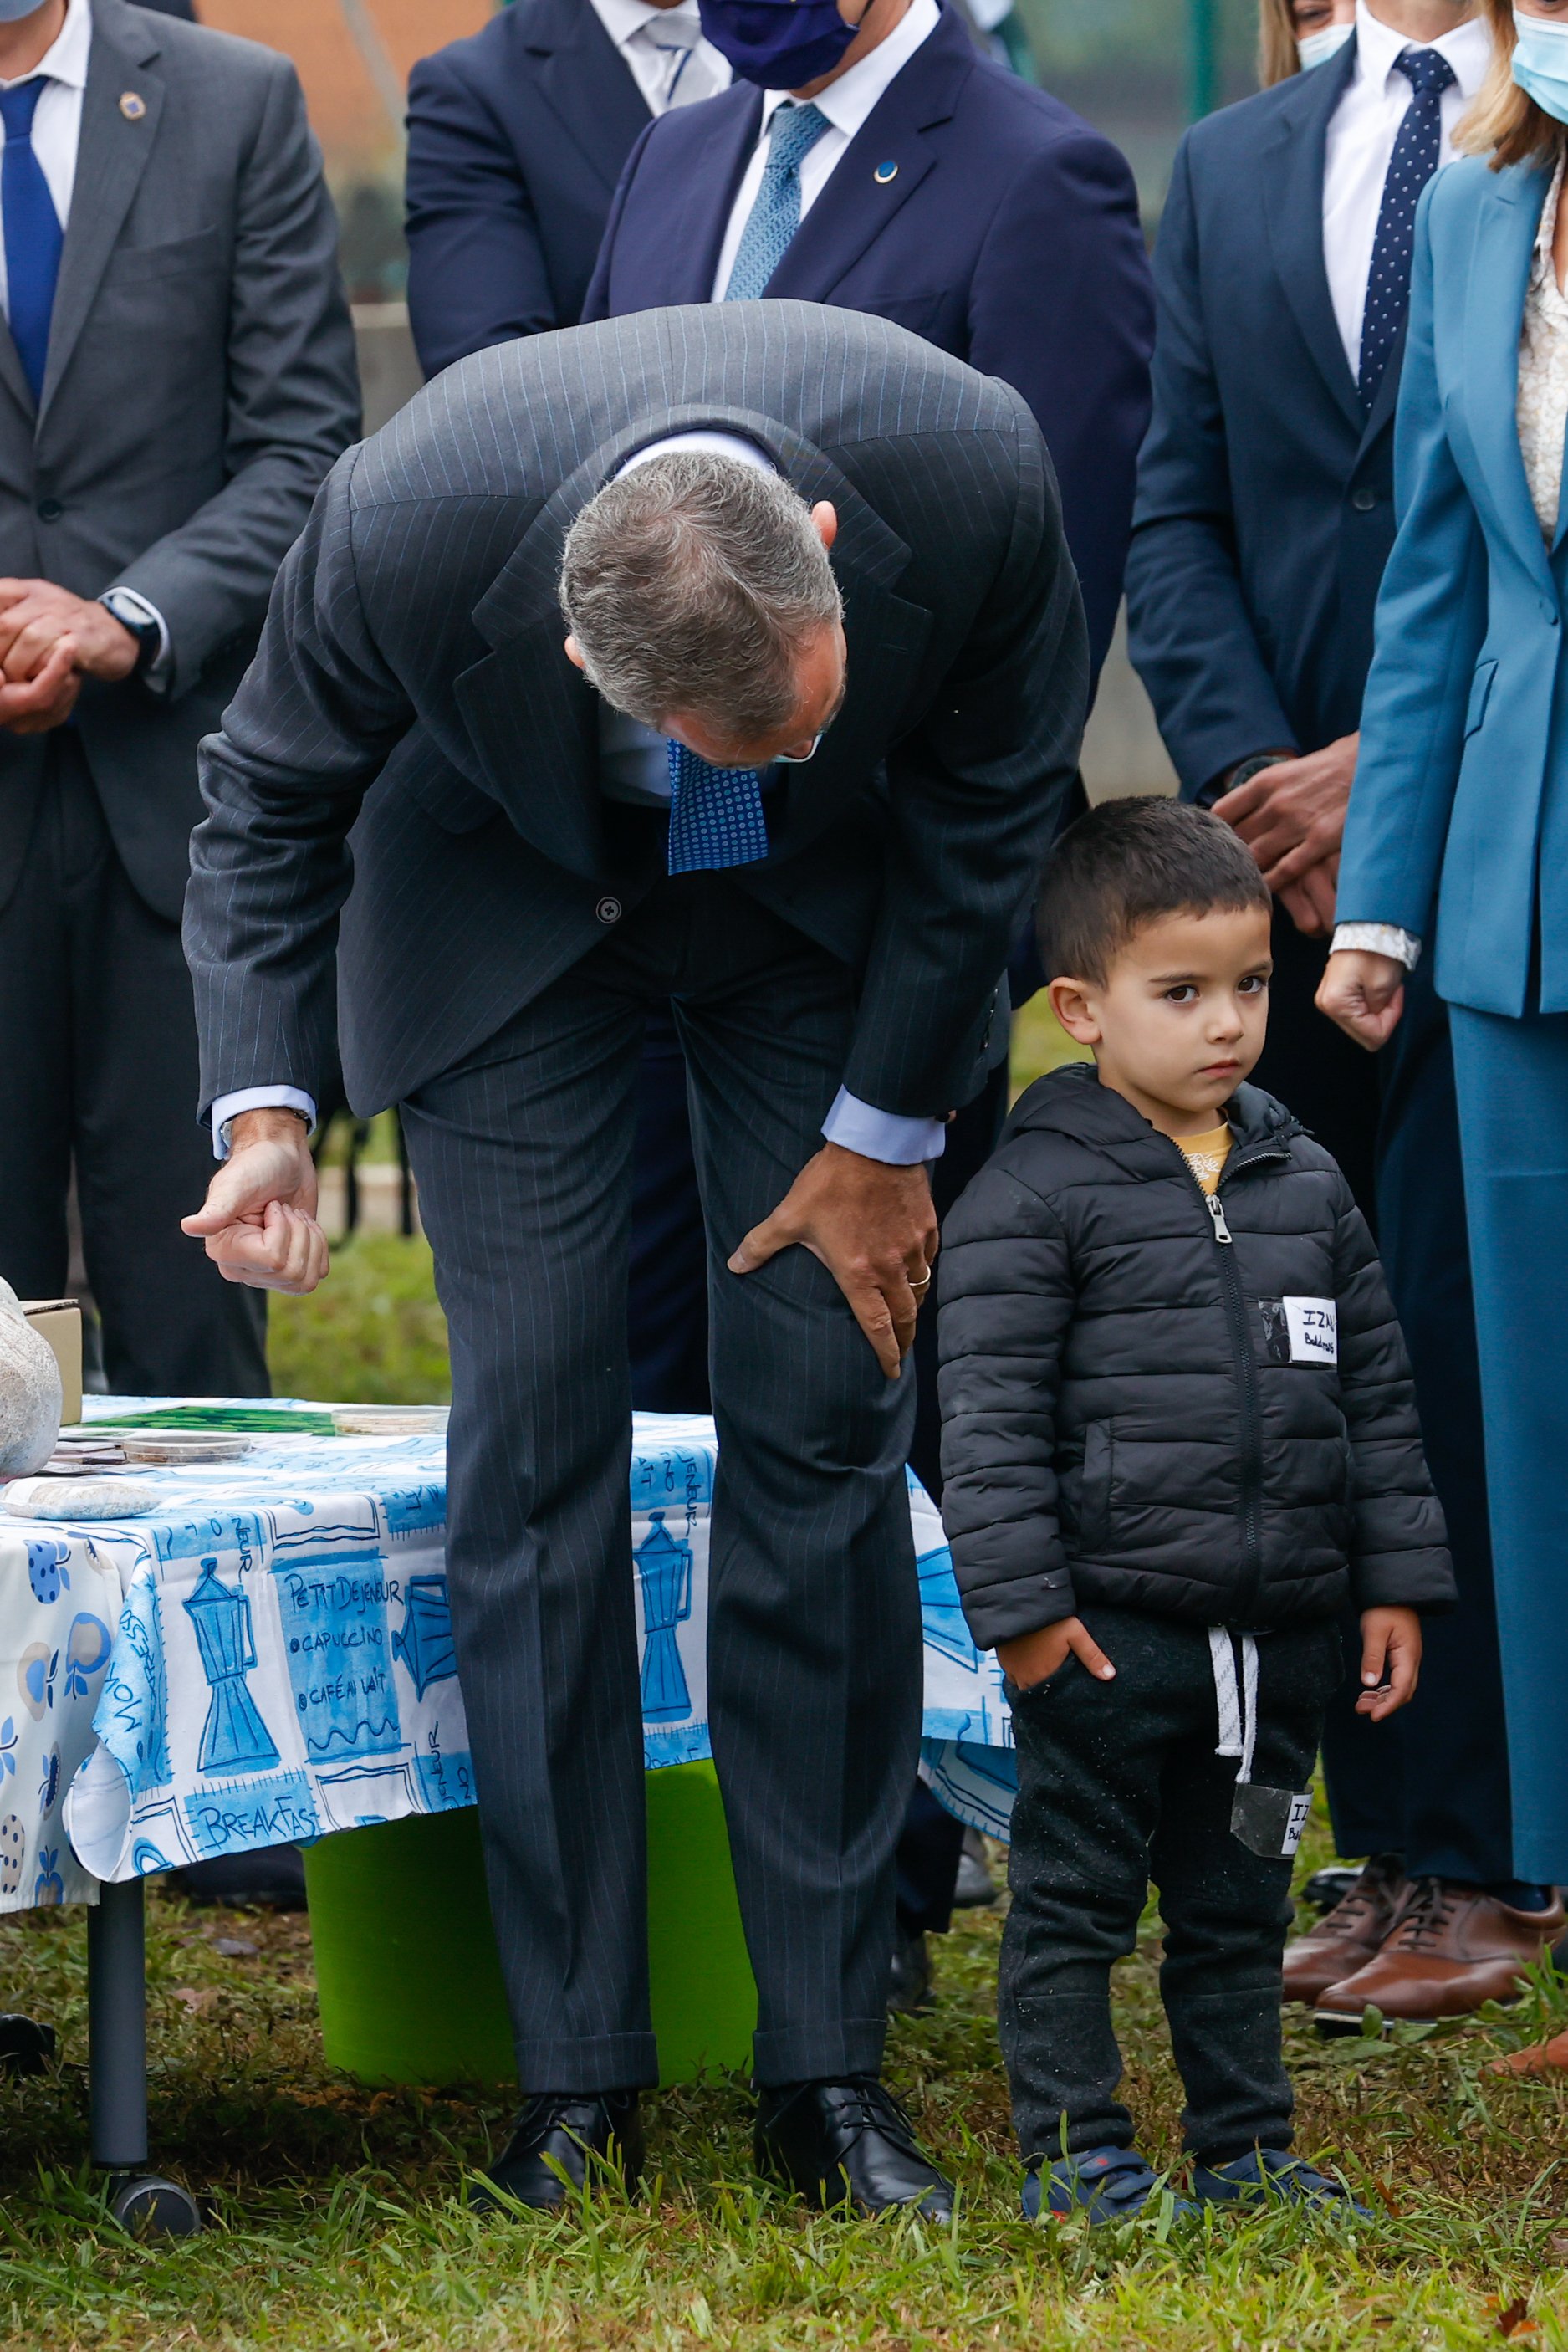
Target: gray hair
[(690, 583)]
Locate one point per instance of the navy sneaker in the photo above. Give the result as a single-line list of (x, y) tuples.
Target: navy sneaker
[(1111, 2184), (1271, 2175)]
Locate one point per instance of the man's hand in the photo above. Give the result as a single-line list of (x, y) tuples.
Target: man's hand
[(50, 641), (1391, 1648), (259, 1219), (873, 1228), (1364, 993), (1292, 817), (1035, 1658)]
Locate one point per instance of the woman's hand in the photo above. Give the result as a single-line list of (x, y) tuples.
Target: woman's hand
[(1364, 994), (1035, 1658)]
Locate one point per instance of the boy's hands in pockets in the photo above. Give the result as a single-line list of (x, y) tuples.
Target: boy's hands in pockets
[(1033, 1658)]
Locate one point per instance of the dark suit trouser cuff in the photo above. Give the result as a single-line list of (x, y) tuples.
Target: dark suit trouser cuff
[(820, 2054), (599, 2062)]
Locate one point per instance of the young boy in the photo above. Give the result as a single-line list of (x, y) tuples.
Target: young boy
[(1178, 1428)]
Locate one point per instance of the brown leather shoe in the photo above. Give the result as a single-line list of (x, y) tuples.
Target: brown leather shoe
[(1453, 1948), (1350, 1935)]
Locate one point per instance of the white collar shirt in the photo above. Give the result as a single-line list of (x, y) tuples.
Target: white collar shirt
[(847, 104), (681, 67), (56, 125), (1360, 144)]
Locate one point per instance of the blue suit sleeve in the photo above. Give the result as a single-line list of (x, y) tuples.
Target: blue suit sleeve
[(1431, 619), (1060, 308), (475, 266), (1189, 633), (596, 302)]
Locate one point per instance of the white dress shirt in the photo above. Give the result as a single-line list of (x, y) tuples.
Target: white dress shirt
[(634, 766), (1359, 145), (846, 103), (56, 124), (664, 51), (1361, 136)]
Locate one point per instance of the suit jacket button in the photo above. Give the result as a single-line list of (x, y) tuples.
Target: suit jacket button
[(49, 509), (1363, 501), (608, 910)]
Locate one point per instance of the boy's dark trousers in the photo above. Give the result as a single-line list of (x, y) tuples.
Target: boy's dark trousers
[(1119, 1784)]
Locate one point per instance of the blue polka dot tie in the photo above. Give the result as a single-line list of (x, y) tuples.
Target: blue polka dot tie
[(34, 237), (776, 216), (716, 814), (1411, 165)]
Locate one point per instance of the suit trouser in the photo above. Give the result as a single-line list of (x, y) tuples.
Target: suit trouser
[(1513, 1107), (523, 1160), (1431, 1785), (98, 1064)]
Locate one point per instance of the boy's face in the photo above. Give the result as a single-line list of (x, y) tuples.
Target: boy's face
[(1180, 1018)]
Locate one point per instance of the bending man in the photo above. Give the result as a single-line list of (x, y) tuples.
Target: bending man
[(808, 802)]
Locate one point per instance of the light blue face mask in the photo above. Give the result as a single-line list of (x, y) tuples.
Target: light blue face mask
[(1541, 62), (1317, 49)]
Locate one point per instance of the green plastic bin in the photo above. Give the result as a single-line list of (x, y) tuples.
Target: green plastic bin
[(406, 1968)]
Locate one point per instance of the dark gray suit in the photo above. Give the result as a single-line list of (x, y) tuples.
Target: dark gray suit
[(200, 380), (506, 930)]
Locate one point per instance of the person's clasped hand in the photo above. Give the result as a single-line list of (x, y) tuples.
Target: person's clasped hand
[(872, 1225), (258, 1220), (50, 641), (1292, 817), (1033, 1658)]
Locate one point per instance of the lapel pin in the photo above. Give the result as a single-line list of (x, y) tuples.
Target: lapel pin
[(884, 173), (132, 106)]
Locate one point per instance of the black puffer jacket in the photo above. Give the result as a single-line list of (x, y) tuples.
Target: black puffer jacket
[(1141, 1402)]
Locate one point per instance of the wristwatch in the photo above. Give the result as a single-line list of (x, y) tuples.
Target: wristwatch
[(135, 613), (1242, 773)]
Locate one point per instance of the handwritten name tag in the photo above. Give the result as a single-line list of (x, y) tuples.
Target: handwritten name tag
[(1313, 1328)]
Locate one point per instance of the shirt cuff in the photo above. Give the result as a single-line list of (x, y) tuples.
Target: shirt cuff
[(229, 1106), (1379, 939), (156, 674), (855, 1126)]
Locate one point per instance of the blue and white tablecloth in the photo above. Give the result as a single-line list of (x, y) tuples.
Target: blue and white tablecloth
[(282, 1665)]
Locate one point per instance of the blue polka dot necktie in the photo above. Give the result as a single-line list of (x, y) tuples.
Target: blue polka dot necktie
[(716, 814), (33, 232), (1411, 165), (776, 216)]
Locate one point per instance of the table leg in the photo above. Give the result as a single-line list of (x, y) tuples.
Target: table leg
[(116, 2058)]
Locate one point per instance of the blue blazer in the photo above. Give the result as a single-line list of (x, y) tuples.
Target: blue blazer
[(515, 139), (1460, 814), (1007, 236), (1265, 510)]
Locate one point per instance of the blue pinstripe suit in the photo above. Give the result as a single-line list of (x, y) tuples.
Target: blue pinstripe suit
[(506, 930)]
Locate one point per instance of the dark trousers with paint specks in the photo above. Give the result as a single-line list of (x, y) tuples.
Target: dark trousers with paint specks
[(1118, 1786)]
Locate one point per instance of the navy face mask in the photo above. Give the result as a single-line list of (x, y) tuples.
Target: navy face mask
[(776, 44)]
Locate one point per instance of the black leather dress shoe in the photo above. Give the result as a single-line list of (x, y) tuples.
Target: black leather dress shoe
[(592, 2136), (833, 2139)]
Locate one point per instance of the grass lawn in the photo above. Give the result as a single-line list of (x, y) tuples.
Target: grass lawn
[(334, 2218)]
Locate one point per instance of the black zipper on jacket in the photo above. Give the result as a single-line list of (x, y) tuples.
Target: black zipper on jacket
[(1245, 1381)]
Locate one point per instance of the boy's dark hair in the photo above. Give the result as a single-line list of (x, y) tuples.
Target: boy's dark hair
[(1126, 864)]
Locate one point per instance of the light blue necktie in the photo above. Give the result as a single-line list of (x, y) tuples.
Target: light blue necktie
[(716, 814), (776, 216), (33, 232)]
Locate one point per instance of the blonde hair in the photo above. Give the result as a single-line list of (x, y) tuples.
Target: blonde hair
[(1278, 56), (1505, 123)]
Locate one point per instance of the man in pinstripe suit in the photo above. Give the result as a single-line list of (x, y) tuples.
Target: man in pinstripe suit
[(531, 866)]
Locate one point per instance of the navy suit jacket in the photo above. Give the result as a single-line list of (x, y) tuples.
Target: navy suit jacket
[(515, 139), (1009, 235), (1265, 510)]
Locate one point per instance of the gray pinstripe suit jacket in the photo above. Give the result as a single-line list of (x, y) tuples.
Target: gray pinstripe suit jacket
[(411, 678)]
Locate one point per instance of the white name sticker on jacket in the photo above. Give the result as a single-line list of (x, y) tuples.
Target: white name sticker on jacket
[(1313, 1327)]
